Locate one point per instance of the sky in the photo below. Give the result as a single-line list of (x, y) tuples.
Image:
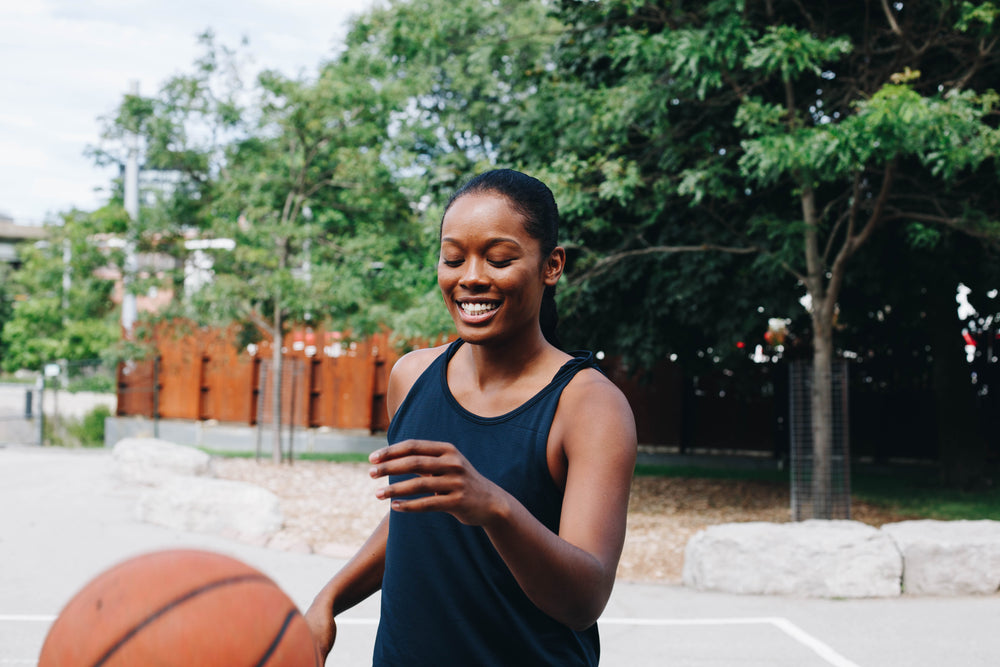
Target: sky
[(66, 63)]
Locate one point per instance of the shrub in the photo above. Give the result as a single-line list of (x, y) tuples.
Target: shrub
[(90, 430)]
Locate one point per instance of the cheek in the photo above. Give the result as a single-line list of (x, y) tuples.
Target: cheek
[(445, 277)]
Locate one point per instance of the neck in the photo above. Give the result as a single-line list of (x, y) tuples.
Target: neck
[(500, 361)]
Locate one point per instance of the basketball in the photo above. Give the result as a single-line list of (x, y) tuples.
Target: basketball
[(179, 607)]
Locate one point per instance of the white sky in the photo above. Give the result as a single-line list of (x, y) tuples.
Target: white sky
[(65, 63)]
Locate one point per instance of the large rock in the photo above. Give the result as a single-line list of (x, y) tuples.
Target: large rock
[(152, 461), (948, 557), (224, 507), (812, 558)]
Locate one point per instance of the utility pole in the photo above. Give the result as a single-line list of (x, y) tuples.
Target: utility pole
[(129, 309)]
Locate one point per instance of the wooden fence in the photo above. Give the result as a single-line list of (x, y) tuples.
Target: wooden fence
[(199, 374)]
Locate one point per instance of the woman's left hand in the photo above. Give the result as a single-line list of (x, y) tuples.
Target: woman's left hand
[(445, 482)]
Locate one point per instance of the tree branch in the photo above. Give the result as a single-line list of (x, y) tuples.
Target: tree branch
[(607, 262), (892, 19), (955, 222), (876, 217)]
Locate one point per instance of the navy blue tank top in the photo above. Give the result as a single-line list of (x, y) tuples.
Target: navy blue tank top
[(447, 596)]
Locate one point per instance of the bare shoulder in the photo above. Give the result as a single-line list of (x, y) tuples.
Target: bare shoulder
[(593, 409), (406, 371), (591, 387)]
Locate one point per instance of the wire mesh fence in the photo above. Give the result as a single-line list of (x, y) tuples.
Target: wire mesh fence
[(806, 502), (66, 404), (280, 419)]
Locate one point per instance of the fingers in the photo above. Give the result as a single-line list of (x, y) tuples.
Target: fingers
[(410, 448), (437, 478), (416, 457), (420, 486)]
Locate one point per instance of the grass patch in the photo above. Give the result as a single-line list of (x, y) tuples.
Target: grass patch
[(907, 491), (703, 472), (333, 457), (922, 494)]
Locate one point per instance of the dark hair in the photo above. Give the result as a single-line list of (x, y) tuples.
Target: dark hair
[(533, 200)]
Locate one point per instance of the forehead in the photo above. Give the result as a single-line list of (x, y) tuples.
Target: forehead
[(482, 214)]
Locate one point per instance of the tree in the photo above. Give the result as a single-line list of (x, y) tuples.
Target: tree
[(462, 72), (68, 312), (313, 211), (285, 180), (782, 134)]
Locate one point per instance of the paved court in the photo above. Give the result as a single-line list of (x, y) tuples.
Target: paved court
[(64, 517)]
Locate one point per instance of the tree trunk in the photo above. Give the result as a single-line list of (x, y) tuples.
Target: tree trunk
[(276, 366), (824, 298), (822, 416)]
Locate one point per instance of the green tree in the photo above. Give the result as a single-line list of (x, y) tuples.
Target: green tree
[(781, 134), (461, 72), (319, 226), (183, 131), (68, 312), (284, 183)]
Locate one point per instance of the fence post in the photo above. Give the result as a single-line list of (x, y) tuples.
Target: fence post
[(40, 384), (261, 387), (156, 397)]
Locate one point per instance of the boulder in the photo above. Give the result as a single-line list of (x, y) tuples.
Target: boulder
[(152, 461), (843, 559), (224, 507), (948, 557)]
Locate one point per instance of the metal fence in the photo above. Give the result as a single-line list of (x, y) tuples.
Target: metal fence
[(58, 405), (801, 441)]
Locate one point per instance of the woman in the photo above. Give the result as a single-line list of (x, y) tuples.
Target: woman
[(509, 462)]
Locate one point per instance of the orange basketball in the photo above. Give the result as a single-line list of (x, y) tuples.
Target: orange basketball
[(180, 607)]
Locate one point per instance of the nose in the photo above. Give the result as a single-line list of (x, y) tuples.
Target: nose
[(474, 276)]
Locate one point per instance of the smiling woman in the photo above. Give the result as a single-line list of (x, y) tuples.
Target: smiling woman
[(509, 462)]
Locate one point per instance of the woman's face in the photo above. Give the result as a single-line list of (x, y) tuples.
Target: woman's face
[(491, 271)]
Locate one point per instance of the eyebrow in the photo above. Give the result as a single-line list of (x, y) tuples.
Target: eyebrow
[(489, 244)]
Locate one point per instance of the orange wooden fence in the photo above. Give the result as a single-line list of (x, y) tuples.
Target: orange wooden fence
[(199, 374)]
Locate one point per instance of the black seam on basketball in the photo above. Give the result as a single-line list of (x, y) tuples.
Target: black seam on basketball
[(277, 640), (170, 605)]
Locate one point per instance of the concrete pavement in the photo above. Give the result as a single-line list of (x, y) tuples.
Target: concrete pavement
[(64, 518)]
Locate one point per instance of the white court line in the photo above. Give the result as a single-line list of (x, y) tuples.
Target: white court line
[(818, 647)]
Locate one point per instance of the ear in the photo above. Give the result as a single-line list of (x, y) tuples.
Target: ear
[(554, 265)]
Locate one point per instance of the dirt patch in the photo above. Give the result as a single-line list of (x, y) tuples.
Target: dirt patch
[(330, 509)]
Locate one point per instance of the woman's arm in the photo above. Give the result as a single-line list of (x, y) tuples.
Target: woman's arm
[(358, 579), (568, 575)]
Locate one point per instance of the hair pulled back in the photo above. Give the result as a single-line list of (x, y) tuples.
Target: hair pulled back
[(533, 200)]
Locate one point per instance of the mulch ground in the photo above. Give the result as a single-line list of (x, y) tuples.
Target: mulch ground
[(330, 508)]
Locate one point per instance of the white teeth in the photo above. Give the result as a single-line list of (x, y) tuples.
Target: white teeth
[(477, 308)]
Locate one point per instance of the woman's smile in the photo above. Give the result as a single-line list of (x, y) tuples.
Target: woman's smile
[(476, 312)]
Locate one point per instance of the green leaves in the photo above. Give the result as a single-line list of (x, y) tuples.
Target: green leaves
[(979, 17), (789, 52)]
